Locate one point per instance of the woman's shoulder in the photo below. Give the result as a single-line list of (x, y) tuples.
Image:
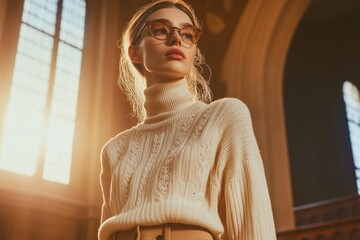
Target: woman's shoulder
[(230, 106), (228, 101), (118, 140), (230, 113)]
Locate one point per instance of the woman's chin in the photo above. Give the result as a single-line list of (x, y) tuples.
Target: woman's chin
[(172, 77), (166, 75)]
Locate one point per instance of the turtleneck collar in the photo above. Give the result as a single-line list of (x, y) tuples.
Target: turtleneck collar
[(163, 100)]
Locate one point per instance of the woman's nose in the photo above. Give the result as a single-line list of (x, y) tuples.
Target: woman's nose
[(175, 38)]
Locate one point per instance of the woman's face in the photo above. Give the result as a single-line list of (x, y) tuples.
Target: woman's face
[(164, 60)]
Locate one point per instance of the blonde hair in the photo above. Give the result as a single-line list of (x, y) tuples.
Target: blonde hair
[(131, 79)]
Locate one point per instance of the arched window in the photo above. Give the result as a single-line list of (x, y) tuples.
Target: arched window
[(37, 139), (352, 101)]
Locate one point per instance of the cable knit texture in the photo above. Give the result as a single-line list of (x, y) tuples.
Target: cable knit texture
[(190, 163)]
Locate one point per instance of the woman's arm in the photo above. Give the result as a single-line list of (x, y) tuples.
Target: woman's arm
[(245, 204), (105, 178)]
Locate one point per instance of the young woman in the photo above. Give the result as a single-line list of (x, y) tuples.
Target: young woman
[(189, 170)]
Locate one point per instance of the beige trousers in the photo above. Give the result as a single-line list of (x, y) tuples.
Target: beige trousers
[(171, 231)]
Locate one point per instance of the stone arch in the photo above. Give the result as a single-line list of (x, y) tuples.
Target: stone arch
[(253, 71)]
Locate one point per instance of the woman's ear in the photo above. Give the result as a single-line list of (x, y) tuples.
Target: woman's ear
[(134, 54)]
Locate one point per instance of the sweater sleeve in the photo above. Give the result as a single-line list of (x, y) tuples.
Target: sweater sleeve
[(105, 175), (244, 208)]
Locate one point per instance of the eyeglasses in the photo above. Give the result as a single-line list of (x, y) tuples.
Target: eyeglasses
[(163, 31)]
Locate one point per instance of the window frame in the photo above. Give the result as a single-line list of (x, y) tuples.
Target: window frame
[(9, 35), (348, 108)]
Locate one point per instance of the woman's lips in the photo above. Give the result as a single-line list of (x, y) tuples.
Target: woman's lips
[(175, 54)]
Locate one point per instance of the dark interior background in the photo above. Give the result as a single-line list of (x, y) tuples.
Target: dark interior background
[(325, 52)]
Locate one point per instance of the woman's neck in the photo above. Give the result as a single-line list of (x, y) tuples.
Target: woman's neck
[(159, 78), (163, 99)]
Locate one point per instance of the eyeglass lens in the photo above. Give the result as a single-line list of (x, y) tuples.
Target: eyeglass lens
[(163, 31)]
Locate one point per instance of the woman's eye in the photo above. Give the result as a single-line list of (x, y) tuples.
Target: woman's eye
[(160, 31), (189, 36)]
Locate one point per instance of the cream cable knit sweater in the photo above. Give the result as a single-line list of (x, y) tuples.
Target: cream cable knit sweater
[(188, 162)]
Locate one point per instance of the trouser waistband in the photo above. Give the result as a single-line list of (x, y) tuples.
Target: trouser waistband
[(171, 231)]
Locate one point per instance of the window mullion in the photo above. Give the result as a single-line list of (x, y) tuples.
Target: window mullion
[(56, 37)]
